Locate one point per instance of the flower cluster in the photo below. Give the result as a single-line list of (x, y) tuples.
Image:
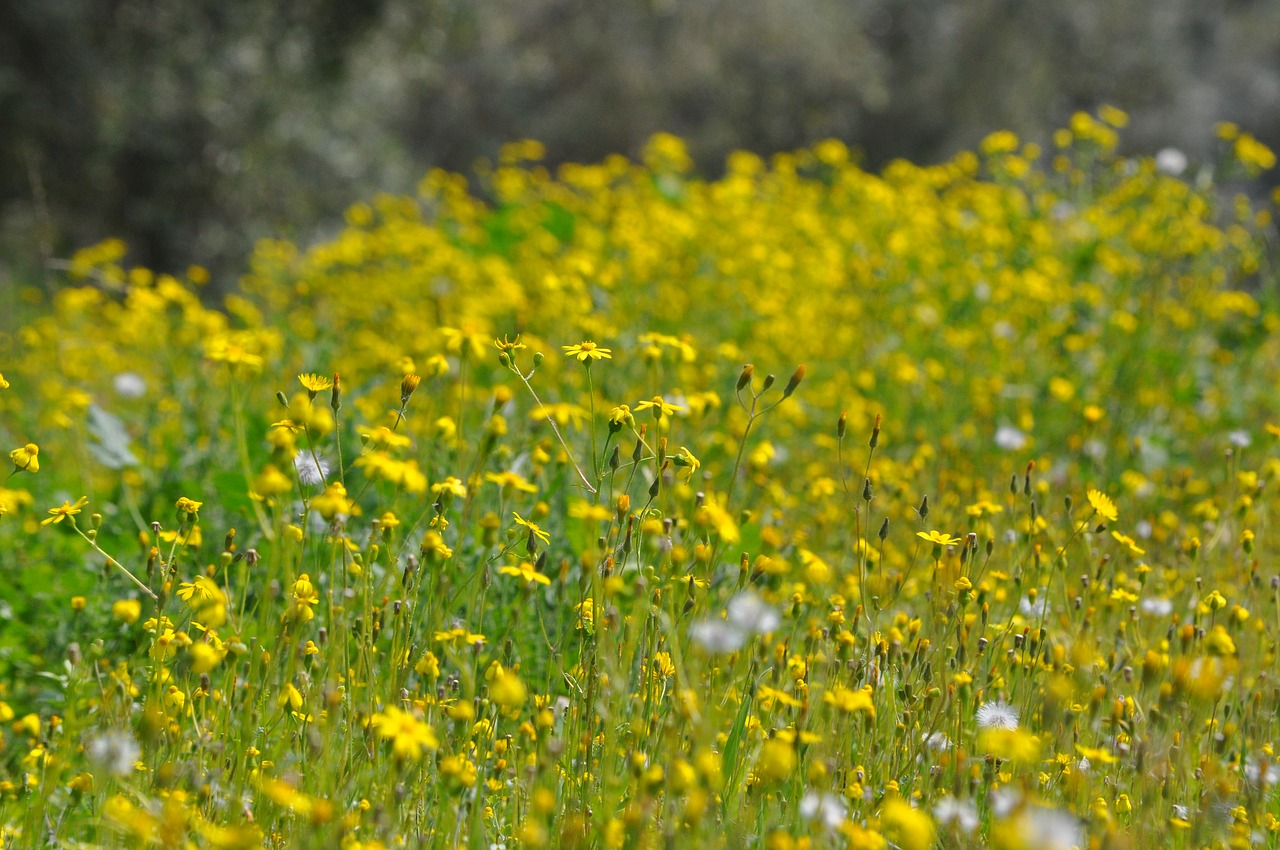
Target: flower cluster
[(387, 550)]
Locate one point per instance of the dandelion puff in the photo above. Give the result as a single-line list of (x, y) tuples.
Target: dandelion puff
[(1052, 829), (997, 715), (1157, 607), (825, 808), (937, 741), (1004, 801), (129, 385), (963, 813), (114, 752), (749, 613), (1171, 161), (1260, 772), (1032, 609), (1009, 438), (311, 470), (717, 636)]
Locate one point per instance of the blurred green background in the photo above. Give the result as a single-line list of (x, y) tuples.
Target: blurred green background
[(192, 127)]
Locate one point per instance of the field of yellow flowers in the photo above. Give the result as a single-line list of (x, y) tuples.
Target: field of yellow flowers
[(614, 507)]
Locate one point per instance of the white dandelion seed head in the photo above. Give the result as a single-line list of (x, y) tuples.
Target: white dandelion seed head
[(115, 752), (1010, 438), (129, 385), (1265, 772), (311, 470), (1240, 439), (1171, 161), (997, 715), (1032, 609), (1004, 801), (963, 813), (827, 809), (715, 635), (1157, 607), (1052, 829), (751, 614), (937, 741)]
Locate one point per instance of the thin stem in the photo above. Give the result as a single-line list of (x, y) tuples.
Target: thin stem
[(556, 431), (110, 560)]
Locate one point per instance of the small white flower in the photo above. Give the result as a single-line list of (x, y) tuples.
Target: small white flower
[(749, 613), (1239, 439), (716, 635), (1171, 161), (963, 813), (1004, 801), (115, 752), (997, 715), (826, 808), (1032, 609), (1009, 438), (129, 385), (937, 741), (311, 470), (1157, 607), (1052, 829), (1265, 772)]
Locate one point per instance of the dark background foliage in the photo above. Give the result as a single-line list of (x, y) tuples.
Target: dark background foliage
[(192, 127)]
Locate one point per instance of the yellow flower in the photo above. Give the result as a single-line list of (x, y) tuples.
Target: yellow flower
[(776, 761), (188, 506), (620, 416), (506, 689), (65, 510), (1014, 745), (686, 461), (126, 610), (905, 826), (537, 532), (658, 405), (508, 346), (452, 486), (526, 572), (850, 701), (510, 482), (1126, 540), (587, 351), (938, 538), (314, 383), (1103, 505), (26, 458)]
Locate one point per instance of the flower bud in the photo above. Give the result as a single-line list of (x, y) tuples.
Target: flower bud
[(796, 377)]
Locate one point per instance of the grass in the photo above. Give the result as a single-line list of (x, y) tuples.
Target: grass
[(476, 526)]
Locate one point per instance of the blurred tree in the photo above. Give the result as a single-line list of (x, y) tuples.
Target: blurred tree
[(191, 127)]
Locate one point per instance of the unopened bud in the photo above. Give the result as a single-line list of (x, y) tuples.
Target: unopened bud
[(842, 424), (875, 433), (745, 378), (796, 377), (335, 394), (408, 384)]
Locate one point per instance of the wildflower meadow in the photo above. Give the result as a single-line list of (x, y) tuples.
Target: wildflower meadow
[(612, 506)]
